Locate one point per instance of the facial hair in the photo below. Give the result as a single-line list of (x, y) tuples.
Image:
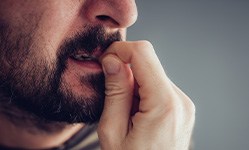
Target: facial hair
[(34, 86)]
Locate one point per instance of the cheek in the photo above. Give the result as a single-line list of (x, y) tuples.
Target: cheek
[(55, 26)]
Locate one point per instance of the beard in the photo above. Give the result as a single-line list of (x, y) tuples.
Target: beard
[(34, 85)]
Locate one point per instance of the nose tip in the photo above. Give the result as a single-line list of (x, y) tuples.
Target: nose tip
[(114, 13), (127, 16), (125, 12)]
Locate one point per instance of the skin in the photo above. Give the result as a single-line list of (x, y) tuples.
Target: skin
[(164, 118)]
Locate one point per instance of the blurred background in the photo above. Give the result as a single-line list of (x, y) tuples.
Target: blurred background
[(204, 46)]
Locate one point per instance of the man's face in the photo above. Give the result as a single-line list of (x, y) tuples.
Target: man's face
[(49, 54)]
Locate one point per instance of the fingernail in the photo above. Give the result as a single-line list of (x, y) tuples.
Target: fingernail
[(111, 65)]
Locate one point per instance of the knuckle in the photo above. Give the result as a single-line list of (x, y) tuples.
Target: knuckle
[(188, 111), (191, 109), (189, 105), (143, 45), (113, 89), (177, 106)]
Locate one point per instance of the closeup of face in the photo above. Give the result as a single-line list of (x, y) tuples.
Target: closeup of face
[(49, 54)]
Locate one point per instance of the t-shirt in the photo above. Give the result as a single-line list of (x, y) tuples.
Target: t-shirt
[(85, 139)]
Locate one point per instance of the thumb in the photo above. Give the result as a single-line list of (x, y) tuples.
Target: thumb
[(119, 84)]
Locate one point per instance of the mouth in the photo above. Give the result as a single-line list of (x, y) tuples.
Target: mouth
[(83, 57), (88, 61)]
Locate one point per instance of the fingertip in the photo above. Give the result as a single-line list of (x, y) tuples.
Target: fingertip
[(111, 65)]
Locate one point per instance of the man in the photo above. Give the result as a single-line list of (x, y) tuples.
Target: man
[(65, 66)]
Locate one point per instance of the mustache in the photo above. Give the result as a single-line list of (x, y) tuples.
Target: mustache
[(89, 40)]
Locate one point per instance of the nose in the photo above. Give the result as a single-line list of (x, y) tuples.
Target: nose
[(111, 13)]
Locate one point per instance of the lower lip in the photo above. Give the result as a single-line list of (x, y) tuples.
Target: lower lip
[(91, 65)]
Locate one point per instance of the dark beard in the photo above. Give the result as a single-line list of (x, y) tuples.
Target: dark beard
[(28, 83)]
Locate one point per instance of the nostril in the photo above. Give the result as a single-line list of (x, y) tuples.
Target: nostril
[(103, 17), (106, 19)]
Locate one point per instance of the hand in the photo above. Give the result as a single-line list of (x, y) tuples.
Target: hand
[(165, 116)]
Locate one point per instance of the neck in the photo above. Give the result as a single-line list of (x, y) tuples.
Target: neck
[(27, 132)]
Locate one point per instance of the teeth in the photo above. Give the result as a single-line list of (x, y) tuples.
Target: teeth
[(83, 57)]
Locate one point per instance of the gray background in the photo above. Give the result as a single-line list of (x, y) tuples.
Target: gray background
[(204, 46)]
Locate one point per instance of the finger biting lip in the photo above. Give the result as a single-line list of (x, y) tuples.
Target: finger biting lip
[(87, 64), (85, 60), (81, 56)]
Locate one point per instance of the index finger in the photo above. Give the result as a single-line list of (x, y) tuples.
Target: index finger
[(147, 70)]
